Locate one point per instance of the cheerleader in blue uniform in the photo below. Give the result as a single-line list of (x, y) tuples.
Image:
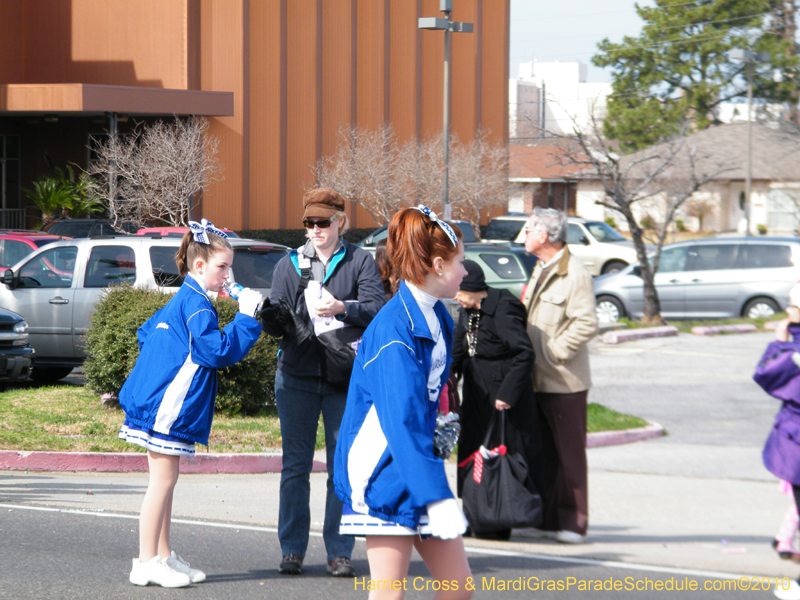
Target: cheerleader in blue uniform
[(169, 396), (391, 481)]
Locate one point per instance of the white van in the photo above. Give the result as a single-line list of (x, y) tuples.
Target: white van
[(601, 248)]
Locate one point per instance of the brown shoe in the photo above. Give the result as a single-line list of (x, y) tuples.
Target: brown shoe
[(292, 564), (341, 567)]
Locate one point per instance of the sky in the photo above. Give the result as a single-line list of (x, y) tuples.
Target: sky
[(569, 31)]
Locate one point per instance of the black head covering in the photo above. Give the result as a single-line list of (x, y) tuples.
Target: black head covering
[(474, 281)]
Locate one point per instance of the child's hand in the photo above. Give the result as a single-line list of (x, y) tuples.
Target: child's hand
[(250, 301)]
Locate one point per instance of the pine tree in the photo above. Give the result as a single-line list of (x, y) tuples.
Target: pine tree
[(678, 71)]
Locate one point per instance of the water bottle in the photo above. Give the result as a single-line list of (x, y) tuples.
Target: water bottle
[(232, 289)]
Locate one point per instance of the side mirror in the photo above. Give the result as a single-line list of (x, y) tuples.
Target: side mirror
[(637, 270), (584, 240), (9, 279)]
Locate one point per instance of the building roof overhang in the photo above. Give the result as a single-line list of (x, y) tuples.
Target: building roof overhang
[(81, 99)]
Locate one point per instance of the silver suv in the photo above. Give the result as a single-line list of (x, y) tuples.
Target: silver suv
[(57, 286)]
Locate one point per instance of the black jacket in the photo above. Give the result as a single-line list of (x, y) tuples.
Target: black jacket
[(500, 370), (352, 278)]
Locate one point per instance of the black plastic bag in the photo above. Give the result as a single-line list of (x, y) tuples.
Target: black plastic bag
[(498, 493)]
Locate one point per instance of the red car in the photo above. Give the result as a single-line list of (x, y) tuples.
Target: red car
[(16, 245), (175, 231)]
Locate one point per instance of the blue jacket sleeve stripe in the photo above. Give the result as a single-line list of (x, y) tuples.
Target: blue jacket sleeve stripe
[(410, 349), (174, 396)]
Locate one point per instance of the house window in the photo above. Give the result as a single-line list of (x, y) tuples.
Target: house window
[(782, 209)]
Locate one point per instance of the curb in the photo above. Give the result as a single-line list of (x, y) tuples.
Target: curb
[(626, 335), (624, 436), (126, 462), (208, 463), (715, 329)]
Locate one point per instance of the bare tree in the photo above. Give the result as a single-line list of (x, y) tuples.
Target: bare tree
[(371, 168), (700, 207), (364, 170), (654, 182), (155, 173), (480, 178)]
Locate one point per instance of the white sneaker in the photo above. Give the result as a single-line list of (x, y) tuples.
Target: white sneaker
[(793, 593), (176, 563), (570, 537), (158, 572), (541, 533)]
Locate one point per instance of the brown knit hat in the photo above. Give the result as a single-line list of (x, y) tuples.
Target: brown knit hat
[(322, 203)]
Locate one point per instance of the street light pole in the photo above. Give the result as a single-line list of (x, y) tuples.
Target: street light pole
[(749, 57), (446, 6), (748, 182)]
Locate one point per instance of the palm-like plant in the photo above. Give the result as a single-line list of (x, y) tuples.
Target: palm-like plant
[(60, 195)]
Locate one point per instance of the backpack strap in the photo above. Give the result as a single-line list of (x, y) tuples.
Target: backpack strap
[(305, 273)]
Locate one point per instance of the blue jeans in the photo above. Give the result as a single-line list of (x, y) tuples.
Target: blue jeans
[(300, 401)]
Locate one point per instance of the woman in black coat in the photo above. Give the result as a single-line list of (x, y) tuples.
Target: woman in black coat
[(494, 355)]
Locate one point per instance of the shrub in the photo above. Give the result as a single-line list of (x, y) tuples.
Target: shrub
[(679, 225), (611, 222), (762, 229), (647, 223), (112, 349)]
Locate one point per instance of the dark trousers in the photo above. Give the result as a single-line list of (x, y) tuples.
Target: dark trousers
[(563, 425)]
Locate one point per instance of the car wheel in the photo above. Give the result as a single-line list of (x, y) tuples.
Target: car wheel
[(49, 374), (609, 309), (614, 266), (760, 308)]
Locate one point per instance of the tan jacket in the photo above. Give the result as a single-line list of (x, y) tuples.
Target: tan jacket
[(561, 321)]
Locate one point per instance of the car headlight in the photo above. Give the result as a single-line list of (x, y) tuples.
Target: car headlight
[(21, 327)]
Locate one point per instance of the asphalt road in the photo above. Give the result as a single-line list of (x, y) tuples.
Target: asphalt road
[(665, 507), (60, 555)]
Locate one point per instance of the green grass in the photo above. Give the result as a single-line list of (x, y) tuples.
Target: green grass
[(599, 418), (71, 419), (685, 326)]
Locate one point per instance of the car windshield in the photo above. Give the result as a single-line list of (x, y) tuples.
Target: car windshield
[(602, 232), (503, 230)]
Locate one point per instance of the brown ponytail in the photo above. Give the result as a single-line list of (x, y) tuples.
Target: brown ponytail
[(191, 250)]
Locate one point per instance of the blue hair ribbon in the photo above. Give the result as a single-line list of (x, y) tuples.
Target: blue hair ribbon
[(443, 224), (201, 230)]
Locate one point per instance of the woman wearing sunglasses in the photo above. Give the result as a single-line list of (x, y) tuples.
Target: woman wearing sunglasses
[(328, 284)]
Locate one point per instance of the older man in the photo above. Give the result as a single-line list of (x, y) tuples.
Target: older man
[(561, 320)]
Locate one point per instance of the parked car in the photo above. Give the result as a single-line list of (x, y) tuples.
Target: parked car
[(16, 354), (709, 278), (369, 242), (82, 228), (601, 248), (17, 245), (57, 286), (175, 231), (505, 229)]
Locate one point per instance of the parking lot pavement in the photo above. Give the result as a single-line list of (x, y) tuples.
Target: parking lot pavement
[(696, 499)]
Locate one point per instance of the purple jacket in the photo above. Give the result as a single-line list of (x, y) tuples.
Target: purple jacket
[(778, 372)]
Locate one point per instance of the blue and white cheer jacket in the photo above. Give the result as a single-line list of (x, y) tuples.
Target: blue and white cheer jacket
[(173, 386), (384, 464)]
